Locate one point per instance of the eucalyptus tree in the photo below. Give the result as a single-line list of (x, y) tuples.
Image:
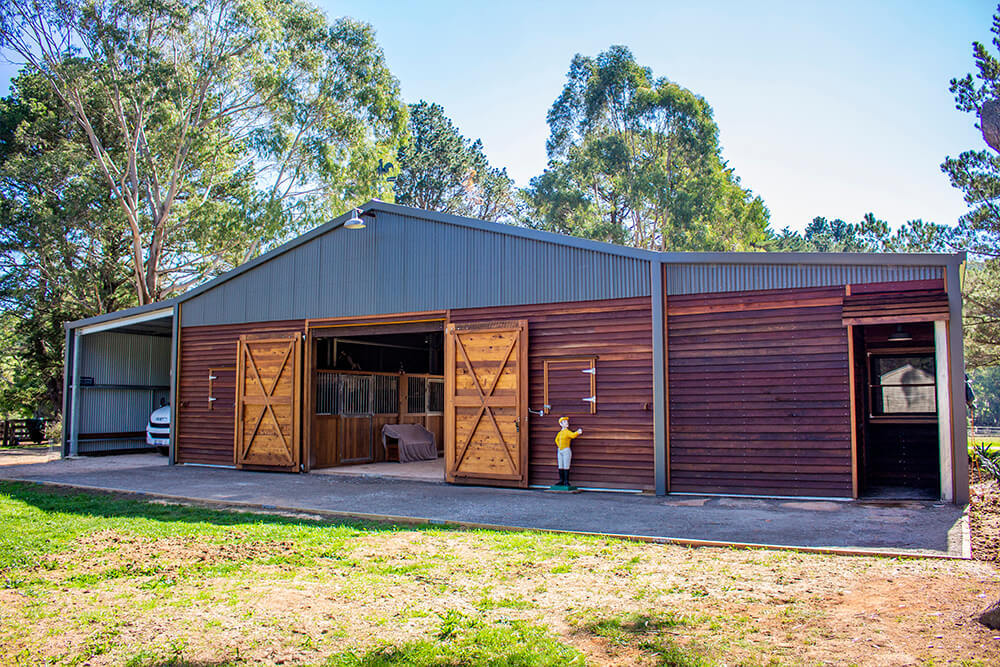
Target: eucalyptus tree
[(441, 170), (224, 125), (635, 159), (62, 253)]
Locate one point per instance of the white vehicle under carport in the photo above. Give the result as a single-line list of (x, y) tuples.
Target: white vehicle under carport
[(158, 430)]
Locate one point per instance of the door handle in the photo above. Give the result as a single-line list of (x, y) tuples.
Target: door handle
[(540, 413)]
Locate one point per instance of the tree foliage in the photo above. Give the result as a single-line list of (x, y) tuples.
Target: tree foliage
[(62, 254), (440, 170), (635, 160), (218, 126), (870, 234), (986, 385), (976, 173)]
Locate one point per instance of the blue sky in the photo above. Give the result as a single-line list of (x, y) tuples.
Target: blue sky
[(832, 109)]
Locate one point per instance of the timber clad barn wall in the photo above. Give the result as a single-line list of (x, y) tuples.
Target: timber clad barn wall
[(759, 400), (616, 449), (206, 430)]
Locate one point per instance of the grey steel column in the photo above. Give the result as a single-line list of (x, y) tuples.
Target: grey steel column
[(659, 380), (74, 413), (958, 412), (174, 356), (67, 384)]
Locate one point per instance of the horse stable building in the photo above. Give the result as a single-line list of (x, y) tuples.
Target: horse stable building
[(756, 374)]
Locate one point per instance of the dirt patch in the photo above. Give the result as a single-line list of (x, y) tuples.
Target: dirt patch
[(27, 455), (108, 550), (984, 521)]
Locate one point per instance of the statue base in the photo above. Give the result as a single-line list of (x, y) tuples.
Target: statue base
[(563, 488)]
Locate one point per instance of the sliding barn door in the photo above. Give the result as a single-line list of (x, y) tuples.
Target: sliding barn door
[(268, 402), (486, 389)]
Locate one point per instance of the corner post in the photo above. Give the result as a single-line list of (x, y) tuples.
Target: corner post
[(956, 368), (656, 292), (74, 411), (67, 386), (175, 355)]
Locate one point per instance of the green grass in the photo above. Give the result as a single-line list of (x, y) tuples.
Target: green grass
[(37, 521), (230, 588), (649, 632), (461, 640)]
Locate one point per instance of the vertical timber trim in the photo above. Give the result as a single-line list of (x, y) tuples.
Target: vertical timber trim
[(238, 408), (956, 369), (297, 401), (658, 301), (449, 400), (175, 376), (852, 390), (523, 416), (308, 410)]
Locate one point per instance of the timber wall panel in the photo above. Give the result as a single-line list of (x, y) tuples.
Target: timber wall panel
[(759, 400), (206, 435), (616, 448)]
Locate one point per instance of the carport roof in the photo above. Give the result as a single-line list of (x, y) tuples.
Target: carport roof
[(126, 314), (374, 206)]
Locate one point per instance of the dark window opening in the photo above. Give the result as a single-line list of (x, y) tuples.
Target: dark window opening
[(902, 385), (387, 353)]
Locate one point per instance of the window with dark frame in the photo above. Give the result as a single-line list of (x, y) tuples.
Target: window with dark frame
[(902, 385), (570, 385)]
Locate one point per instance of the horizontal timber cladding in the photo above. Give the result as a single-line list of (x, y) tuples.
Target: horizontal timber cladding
[(616, 448), (896, 307), (206, 429), (758, 393)]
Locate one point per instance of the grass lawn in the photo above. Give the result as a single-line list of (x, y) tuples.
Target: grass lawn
[(100, 580)]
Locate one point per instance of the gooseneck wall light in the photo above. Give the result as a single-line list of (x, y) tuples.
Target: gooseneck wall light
[(355, 221)]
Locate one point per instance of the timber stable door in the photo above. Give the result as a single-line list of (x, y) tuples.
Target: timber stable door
[(486, 389), (268, 402)]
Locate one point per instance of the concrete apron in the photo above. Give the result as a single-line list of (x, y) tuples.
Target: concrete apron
[(908, 529)]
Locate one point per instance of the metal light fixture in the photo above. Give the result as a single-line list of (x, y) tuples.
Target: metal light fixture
[(900, 336), (355, 221)]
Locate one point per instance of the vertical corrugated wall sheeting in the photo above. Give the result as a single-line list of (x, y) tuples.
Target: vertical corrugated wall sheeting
[(131, 374), (404, 264), (708, 278)]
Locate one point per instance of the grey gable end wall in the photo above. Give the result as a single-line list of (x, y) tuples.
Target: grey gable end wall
[(401, 263)]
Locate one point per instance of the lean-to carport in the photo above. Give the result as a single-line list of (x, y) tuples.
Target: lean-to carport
[(118, 370)]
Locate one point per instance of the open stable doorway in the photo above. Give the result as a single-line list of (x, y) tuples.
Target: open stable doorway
[(896, 389), (366, 377)]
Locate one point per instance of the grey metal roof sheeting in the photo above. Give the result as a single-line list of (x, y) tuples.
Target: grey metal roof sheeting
[(411, 260), (406, 263)]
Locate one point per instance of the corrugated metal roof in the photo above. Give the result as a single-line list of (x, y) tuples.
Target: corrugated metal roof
[(410, 260), (704, 278)]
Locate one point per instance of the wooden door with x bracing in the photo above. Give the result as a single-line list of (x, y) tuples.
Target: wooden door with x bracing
[(268, 402), (486, 390)]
